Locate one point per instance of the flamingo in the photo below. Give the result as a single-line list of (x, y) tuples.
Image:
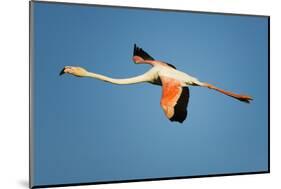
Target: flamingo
[(175, 83)]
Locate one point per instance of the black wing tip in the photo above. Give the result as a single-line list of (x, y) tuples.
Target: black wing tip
[(180, 112), (136, 50), (140, 52), (179, 117), (177, 121), (171, 65), (61, 72)]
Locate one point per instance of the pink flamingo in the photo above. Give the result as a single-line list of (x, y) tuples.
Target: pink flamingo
[(175, 91)]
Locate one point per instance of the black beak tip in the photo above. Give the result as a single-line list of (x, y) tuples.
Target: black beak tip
[(62, 71)]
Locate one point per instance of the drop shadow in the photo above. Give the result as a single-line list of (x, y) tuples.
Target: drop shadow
[(24, 183)]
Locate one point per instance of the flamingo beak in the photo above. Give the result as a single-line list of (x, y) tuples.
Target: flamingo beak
[(62, 71)]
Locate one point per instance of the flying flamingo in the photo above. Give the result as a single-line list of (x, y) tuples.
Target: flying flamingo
[(175, 91)]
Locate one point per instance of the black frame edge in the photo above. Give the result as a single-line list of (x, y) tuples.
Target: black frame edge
[(150, 179), (268, 55)]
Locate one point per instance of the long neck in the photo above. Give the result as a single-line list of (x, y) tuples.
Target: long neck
[(132, 80)]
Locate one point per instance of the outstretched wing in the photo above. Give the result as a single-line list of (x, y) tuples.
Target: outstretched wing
[(174, 99), (141, 53)]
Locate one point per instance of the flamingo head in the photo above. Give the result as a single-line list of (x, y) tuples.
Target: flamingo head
[(76, 71)]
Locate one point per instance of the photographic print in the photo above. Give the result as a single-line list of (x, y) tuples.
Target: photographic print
[(121, 94)]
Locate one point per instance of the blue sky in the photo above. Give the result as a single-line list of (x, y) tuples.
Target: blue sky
[(87, 130)]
